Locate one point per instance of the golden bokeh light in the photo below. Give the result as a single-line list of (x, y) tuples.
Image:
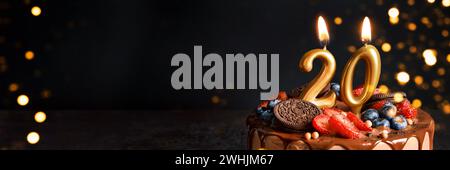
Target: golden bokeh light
[(393, 12), (413, 49), (384, 89), (429, 56), (411, 2), (402, 78), (446, 3), (400, 45), (441, 71), (446, 108), (23, 100), (33, 138), (40, 117), (416, 103), (418, 80), (393, 20), (13, 87), (29, 55), (338, 20), (448, 58), (412, 26), (425, 20), (215, 99), (398, 97), (444, 33), (386, 47), (36, 11), (436, 83), (430, 1), (437, 98), (351, 49)]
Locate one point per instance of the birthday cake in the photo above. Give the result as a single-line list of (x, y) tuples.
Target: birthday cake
[(329, 116), (386, 124)]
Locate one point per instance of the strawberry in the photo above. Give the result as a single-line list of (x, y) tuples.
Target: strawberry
[(409, 112), (331, 111), (344, 127), (379, 104), (404, 108), (320, 123), (358, 122), (282, 96), (263, 104), (377, 91), (358, 90)]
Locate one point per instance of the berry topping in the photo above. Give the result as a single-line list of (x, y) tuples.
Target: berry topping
[(266, 115), (331, 111), (336, 88), (263, 104), (358, 122), (344, 127), (320, 123), (399, 122), (405, 109), (388, 111), (370, 114), (381, 122), (273, 103), (379, 104), (282, 95), (359, 89)]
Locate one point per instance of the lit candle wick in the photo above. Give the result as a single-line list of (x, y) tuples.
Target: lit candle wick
[(366, 31), (323, 32)]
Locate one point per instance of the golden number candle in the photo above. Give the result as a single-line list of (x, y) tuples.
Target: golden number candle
[(371, 56), (313, 89)]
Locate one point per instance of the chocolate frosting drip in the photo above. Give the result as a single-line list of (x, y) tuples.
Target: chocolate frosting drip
[(396, 140)]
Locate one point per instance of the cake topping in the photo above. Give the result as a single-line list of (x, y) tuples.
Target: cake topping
[(391, 95), (296, 114)]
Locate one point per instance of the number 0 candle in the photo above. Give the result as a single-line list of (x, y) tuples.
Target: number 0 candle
[(371, 56), (313, 89)]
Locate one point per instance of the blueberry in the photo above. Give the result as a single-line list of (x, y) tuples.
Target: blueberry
[(381, 122), (388, 111), (273, 103), (259, 111), (336, 88), (399, 122), (266, 115), (370, 114)]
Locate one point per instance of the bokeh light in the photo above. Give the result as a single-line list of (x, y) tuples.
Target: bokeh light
[(412, 26), (23, 100), (386, 47), (429, 56), (33, 138), (417, 103), (430, 1), (393, 20), (13, 87), (40, 117), (393, 12), (338, 20), (384, 89), (446, 3), (402, 78), (29, 55), (36, 11), (418, 80), (398, 97)]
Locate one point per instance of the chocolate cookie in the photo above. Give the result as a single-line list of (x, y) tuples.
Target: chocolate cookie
[(296, 114), (382, 96), (294, 93)]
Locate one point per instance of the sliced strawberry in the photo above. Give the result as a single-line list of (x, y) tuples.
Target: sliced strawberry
[(263, 104), (331, 111), (282, 96), (377, 91), (320, 123), (358, 90), (344, 127), (358, 122), (404, 104), (409, 112), (378, 105)]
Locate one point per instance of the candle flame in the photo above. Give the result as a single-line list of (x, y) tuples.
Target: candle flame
[(366, 31), (323, 31)]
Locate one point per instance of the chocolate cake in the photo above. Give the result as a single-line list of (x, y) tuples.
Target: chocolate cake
[(410, 128)]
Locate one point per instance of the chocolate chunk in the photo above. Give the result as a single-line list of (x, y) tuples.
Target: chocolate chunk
[(296, 114)]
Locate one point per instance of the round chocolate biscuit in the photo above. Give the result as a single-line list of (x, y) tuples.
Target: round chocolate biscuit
[(294, 93), (296, 114), (382, 96)]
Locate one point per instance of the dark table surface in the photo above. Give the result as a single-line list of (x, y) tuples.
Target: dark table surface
[(203, 129)]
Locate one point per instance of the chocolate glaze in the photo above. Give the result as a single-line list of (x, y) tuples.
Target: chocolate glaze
[(270, 138)]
